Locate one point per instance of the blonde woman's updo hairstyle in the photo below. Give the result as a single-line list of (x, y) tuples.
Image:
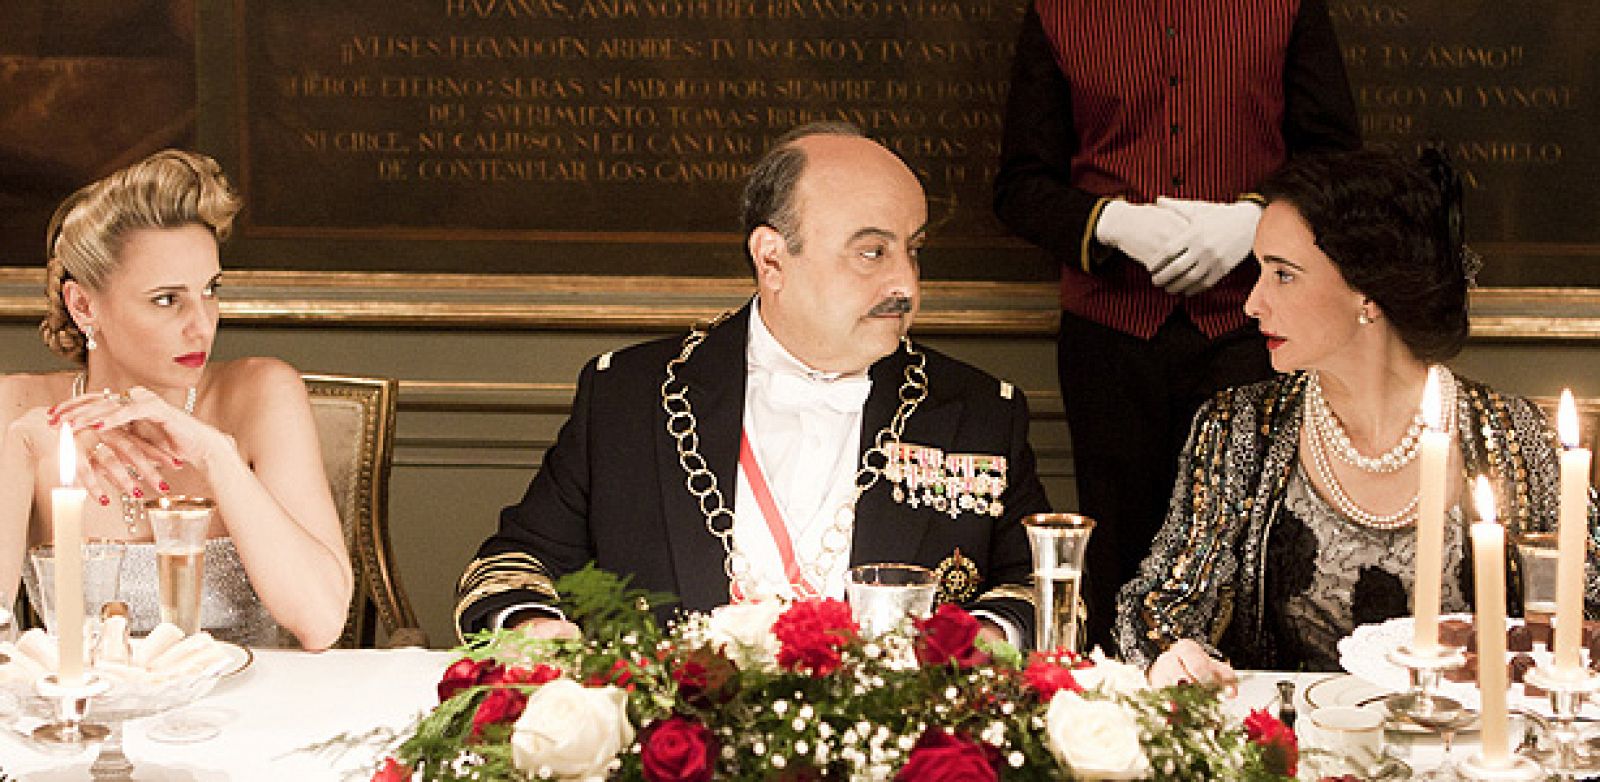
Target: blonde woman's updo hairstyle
[(169, 189)]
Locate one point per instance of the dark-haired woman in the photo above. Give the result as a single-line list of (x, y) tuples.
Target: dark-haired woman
[(1293, 518), (132, 282)]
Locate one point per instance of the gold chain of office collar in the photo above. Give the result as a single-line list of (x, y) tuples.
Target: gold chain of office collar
[(702, 482)]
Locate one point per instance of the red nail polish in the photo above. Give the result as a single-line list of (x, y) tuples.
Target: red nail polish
[(176, 462), (138, 493), (163, 487), (104, 500), (97, 425)]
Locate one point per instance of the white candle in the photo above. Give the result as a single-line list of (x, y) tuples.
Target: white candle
[(1488, 552), (1572, 539), (1434, 461), (66, 521)]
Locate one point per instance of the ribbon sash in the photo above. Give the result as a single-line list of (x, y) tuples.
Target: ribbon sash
[(775, 522)]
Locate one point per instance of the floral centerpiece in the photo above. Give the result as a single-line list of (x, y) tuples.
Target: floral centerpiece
[(772, 691)]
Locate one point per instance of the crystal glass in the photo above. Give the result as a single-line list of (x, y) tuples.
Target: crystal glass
[(180, 525), (884, 595), (1537, 556), (102, 581), (1058, 541)]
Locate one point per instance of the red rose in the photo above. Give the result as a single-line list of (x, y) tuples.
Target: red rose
[(678, 750), (1046, 677), (1278, 744), (465, 673), (539, 674), (948, 636), (391, 771), (940, 756), (811, 633), (501, 705), (705, 678)]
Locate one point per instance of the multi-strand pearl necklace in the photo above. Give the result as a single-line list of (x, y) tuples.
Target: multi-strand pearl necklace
[(1332, 432), (1320, 422)]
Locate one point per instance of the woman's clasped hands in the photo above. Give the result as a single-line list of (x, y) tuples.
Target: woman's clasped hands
[(129, 442)]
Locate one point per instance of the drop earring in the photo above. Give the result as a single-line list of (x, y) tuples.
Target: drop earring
[(88, 338)]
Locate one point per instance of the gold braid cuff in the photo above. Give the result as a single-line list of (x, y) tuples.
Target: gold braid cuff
[(500, 573), (1009, 592)]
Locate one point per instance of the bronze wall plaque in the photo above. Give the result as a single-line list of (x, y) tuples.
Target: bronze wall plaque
[(590, 136), (608, 136), (1513, 91)]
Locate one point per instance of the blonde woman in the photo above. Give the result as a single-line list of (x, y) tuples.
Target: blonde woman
[(132, 286)]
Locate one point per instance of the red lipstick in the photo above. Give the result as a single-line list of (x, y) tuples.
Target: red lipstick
[(192, 360), (1275, 342)]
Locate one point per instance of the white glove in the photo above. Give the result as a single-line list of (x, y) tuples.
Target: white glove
[(1146, 233), (1222, 237)]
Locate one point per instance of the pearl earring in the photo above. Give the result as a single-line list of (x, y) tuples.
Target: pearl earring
[(1364, 319), (88, 338)]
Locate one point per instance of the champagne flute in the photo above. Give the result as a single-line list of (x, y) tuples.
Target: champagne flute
[(1059, 541), (180, 525)]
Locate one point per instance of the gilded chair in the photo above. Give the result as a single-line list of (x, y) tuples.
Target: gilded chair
[(1588, 424), (355, 423)]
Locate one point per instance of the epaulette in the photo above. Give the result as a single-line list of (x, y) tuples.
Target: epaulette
[(603, 363), (1006, 390)]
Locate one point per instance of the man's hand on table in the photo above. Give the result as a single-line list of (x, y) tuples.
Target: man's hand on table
[(990, 631), (1186, 662), (549, 627)]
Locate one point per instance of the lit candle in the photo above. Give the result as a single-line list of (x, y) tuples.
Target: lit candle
[(1435, 461), (1572, 538), (66, 521), (1489, 563)]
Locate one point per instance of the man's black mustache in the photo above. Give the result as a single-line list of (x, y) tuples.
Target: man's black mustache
[(894, 305)]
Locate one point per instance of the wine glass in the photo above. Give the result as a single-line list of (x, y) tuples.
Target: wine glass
[(1438, 714)]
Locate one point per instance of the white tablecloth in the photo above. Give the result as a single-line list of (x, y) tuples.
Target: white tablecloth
[(286, 701), (283, 702)]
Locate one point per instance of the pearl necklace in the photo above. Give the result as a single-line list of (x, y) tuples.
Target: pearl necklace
[(1333, 433), (132, 512), (1342, 502)]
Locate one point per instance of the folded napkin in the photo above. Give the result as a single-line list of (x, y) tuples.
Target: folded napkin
[(163, 655)]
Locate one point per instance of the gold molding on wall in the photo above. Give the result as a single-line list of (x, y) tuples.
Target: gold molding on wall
[(603, 303)]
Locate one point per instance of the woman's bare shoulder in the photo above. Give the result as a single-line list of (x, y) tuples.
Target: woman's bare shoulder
[(253, 370), (247, 386), (26, 390)]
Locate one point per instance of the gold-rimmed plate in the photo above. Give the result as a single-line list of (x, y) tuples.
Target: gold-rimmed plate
[(1343, 689)]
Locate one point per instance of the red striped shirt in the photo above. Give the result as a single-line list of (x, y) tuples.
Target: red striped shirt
[(1181, 98)]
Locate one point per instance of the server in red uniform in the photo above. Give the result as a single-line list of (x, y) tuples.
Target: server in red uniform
[(1134, 135)]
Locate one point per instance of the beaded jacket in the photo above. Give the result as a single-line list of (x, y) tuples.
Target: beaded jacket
[(1205, 576)]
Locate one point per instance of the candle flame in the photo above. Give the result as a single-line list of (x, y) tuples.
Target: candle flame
[(1432, 407), (67, 457), (1483, 497), (1567, 419)]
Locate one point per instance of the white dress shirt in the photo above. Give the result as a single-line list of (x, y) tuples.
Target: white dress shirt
[(804, 428)]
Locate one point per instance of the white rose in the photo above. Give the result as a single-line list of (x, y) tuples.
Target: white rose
[(744, 631), (572, 730), (1110, 677), (1098, 739)]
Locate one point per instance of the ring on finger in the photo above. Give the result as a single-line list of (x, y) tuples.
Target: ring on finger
[(133, 473), (124, 398)]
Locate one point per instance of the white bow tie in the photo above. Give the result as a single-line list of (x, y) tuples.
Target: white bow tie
[(791, 391)]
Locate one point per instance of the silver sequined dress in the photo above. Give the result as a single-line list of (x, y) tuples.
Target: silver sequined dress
[(229, 607)]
